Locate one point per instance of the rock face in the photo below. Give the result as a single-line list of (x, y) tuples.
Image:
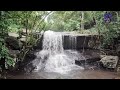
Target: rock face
[(86, 41), (38, 45), (27, 60), (109, 61)]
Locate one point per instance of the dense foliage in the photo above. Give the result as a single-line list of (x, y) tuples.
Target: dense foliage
[(5, 58)]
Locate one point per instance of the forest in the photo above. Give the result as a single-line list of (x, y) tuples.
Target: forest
[(20, 32)]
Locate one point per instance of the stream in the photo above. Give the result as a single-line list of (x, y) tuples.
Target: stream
[(76, 74)]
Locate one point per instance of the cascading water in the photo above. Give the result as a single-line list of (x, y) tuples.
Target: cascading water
[(53, 58), (73, 42), (52, 42)]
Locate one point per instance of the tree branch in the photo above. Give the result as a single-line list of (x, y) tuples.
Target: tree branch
[(44, 18)]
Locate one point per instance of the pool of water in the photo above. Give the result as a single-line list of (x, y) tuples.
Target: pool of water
[(75, 74)]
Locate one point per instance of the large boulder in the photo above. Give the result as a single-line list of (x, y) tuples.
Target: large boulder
[(109, 61), (13, 43), (29, 57), (118, 49)]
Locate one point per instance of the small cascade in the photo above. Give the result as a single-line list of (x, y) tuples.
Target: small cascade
[(73, 42)]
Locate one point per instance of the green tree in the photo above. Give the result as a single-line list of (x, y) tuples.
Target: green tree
[(4, 53)]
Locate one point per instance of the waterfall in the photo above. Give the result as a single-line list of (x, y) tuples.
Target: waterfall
[(52, 42), (53, 58)]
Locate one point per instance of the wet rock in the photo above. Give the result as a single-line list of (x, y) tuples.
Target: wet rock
[(80, 62), (102, 56), (29, 68), (109, 61), (82, 41), (118, 69), (38, 45), (13, 53), (118, 48), (30, 56)]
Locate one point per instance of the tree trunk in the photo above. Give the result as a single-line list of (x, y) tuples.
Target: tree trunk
[(26, 26), (117, 16), (94, 21), (82, 21), (26, 31)]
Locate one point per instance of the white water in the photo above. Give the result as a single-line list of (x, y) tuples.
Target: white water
[(52, 42), (53, 58)]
